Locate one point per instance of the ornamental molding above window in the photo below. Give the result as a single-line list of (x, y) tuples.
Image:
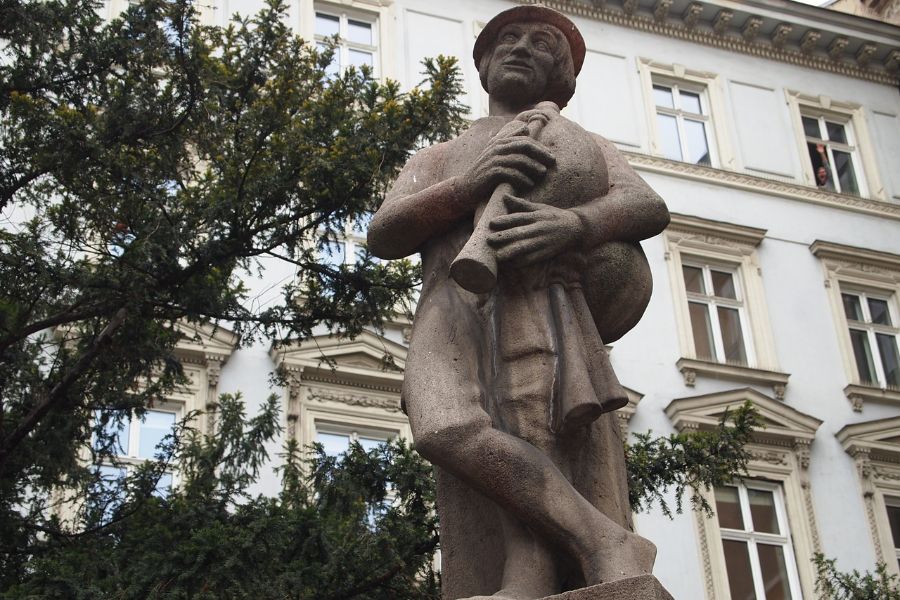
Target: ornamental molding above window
[(686, 230), (875, 448), (625, 413), (871, 57)]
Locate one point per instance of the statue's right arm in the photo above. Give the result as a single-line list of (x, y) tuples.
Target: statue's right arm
[(418, 207)]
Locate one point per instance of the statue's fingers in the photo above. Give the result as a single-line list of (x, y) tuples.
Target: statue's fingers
[(514, 204), (514, 177), (527, 146), (520, 162), (515, 251), (515, 235), (516, 219)]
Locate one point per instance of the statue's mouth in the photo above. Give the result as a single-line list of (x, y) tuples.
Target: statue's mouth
[(518, 64)]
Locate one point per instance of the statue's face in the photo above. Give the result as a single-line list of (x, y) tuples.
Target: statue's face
[(523, 58)]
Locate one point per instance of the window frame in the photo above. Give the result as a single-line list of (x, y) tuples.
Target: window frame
[(681, 115), (872, 329), (853, 117), (859, 270), (710, 86), (752, 538), (380, 12), (344, 15), (712, 302)]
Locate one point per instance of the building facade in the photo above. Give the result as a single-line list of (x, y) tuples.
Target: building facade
[(772, 130)]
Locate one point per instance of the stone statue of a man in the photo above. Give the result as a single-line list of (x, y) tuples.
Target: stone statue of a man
[(509, 391)]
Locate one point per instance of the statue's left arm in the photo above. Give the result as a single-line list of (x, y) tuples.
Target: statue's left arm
[(631, 211)]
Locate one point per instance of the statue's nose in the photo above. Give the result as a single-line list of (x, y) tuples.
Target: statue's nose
[(522, 46)]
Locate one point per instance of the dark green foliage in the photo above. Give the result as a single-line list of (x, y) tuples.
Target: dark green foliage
[(358, 526), (150, 168), (836, 585), (694, 460)]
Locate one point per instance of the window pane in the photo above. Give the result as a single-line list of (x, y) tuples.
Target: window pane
[(774, 572), (732, 336), (116, 433), (737, 563), (879, 311), (690, 102), (762, 511), (370, 443), (864, 365), (359, 32), (811, 127), (327, 25), (693, 279), (894, 519), (333, 254), (359, 58), (668, 136), (153, 429), (852, 309), (663, 96), (836, 132), (845, 173), (334, 67), (163, 486), (703, 341), (887, 348), (697, 148), (334, 444), (728, 508), (723, 285)]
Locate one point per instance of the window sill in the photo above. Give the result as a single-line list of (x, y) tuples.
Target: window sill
[(691, 367), (858, 393)]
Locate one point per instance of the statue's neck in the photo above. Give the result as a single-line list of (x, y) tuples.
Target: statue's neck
[(506, 108)]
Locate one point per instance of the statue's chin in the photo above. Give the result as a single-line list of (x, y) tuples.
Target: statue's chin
[(515, 88)]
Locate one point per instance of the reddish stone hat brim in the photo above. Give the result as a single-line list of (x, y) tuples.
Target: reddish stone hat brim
[(533, 13)]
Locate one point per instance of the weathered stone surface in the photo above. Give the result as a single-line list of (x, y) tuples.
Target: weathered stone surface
[(529, 229), (644, 587)]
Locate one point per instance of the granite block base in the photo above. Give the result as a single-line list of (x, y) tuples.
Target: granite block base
[(643, 587)]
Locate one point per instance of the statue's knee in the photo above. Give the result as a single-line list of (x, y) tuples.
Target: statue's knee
[(441, 442)]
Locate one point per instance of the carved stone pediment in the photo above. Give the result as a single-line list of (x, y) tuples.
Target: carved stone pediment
[(368, 361), (879, 439), (204, 344), (784, 426)]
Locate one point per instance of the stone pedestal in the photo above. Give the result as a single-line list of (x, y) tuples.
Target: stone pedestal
[(644, 587)]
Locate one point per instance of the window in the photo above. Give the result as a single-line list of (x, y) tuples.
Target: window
[(682, 121), (756, 542), (350, 245), (682, 106), (832, 153), (875, 448), (358, 42), (892, 506), (716, 311), (335, 439), (836, 149), (760, 543), (132, 441), (863, 288), (720, 303), (872, 321)]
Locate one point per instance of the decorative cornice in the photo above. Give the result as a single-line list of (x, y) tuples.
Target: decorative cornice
[(872, 441), (857, 394), (853, 256), (391, 404), (629, 16), (718, 232), (752, 183)]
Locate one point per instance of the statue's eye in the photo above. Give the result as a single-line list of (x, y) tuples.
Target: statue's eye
[(542, 46), (508, 38)]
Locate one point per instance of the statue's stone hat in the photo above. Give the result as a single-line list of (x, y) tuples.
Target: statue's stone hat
[(535, 13)]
